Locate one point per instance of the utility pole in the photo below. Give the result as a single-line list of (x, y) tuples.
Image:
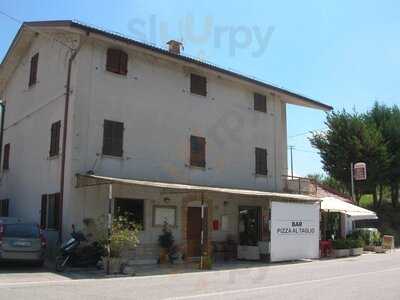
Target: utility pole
[(291, 159)]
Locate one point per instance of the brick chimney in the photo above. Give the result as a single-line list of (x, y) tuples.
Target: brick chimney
[(174, 47)]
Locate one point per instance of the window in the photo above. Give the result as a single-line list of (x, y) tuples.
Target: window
[(132, 209), (197, 151), (113, 138), (198, 85), (117, 61), (6, 157), (261, 161), (55, 139), (4, 204), (50, 211), (260, 102), (33, 69)]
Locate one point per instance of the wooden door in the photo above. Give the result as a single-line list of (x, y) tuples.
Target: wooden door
[(193, 234)]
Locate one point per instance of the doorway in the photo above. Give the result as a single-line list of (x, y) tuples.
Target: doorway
[(193, 232), (249, 225)]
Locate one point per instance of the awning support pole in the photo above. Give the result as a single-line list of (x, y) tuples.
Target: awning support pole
[(202, 232), (109, 226)]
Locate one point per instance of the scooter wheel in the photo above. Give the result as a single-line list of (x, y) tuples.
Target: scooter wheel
[(61, 263)]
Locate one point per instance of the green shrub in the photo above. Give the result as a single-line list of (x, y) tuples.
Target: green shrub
[(355, 243), (340, 244)]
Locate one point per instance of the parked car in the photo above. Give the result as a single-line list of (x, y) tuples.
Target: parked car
[(9, 220), (22, 242)]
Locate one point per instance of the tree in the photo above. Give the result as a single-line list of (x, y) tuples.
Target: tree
[(387, 121), (350, 138)]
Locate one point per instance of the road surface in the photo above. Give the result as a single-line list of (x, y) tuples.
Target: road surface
[(371, 276)]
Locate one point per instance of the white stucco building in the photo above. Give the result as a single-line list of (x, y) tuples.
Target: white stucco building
[(137, 112)]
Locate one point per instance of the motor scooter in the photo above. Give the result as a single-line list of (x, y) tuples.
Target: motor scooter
[(71, 254)]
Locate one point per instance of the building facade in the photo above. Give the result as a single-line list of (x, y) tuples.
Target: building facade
[(138, 112)]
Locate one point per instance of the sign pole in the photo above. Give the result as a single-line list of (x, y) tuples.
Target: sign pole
[(352, 182), (109, 226)]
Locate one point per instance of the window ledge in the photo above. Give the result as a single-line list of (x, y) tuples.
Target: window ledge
[(32, 86), (53, 157), (116, 74), (260, 175), (197, 95), (112, 156), (196, 167)]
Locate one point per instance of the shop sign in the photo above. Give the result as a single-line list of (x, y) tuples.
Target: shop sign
[(295, 228)]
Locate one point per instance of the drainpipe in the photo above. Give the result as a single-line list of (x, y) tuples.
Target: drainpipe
[(64, 141), (3, 112)]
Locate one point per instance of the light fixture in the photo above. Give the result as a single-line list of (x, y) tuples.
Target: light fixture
[(166, 200)]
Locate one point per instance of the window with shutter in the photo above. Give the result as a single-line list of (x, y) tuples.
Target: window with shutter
[(198, 85), (117, 61), (113, 134), (43, 212), (260, 102), (50, 211), (6, 157), (197, 151), (261, 161), (55, 139), (33, 69)]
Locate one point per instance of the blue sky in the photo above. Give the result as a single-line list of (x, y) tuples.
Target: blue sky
[(344, 53)]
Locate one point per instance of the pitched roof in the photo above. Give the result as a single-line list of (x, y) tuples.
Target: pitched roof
[(324, 192), (303, 100)]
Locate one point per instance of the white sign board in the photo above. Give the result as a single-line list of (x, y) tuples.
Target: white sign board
[(294, 230), (360, 171), (164, 214)]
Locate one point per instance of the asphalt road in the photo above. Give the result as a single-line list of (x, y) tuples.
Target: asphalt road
[(371, 276)]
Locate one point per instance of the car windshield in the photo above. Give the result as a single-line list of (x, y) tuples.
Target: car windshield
[(21, 230)]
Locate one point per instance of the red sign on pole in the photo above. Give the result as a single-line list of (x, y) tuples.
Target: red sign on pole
[(360, 171)]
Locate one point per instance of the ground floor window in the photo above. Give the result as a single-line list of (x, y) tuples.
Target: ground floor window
[(50, 211), (249, 225), (132, 209), (4, 207)]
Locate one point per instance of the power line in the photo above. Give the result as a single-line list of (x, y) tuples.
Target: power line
[(20, 22), (307, 132)]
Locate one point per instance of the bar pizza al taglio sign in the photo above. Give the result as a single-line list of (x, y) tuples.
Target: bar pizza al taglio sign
[(296, 228)]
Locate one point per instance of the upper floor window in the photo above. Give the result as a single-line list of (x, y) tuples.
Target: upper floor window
[(50, 211), (197, 151), (261, 161), (198, 85), (113, 134), (117, 61), (260, 102), (6, 157), (33, 69), (55, 139)]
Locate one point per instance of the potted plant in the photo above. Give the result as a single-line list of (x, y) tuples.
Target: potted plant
[(166, 242), (377, 242), (340, 248), (124, 235), (356, 246)]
